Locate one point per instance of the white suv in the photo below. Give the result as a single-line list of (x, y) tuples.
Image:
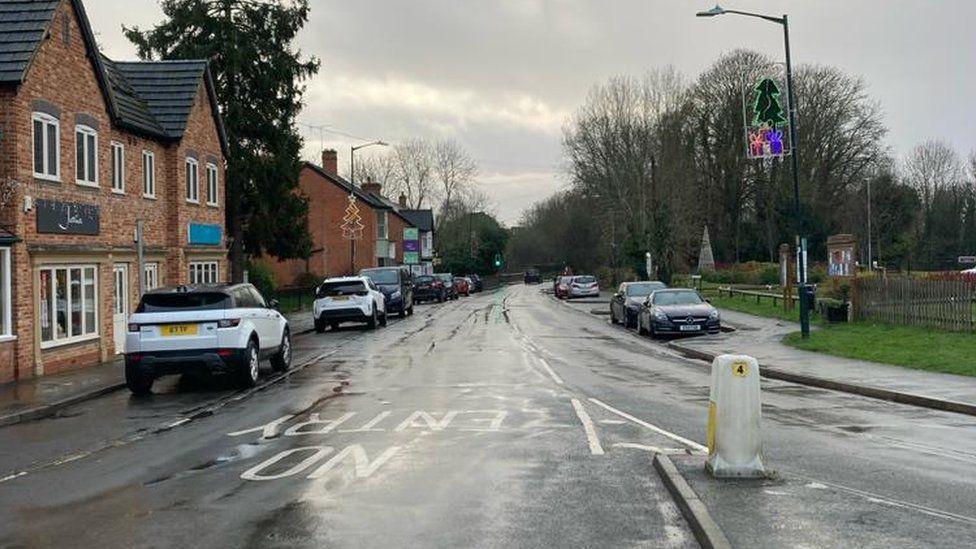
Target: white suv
[(207, 329), (348, 299)]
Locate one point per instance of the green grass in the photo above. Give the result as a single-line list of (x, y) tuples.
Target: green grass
[(918, 348), (747, 304)]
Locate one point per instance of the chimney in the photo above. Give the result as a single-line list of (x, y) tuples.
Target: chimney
[(372, 187), (330, 161), (403, 201)]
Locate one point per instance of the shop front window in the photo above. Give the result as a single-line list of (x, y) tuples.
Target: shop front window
[(68, 302)]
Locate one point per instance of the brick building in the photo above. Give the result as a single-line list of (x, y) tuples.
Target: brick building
[(89, 148), (328, 197)]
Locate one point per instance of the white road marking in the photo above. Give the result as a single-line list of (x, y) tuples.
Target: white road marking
[(588, 428), (254, 473), (428, 419), (327, 425), (369, 425), (555, 377), (689, 443), (363, 466), (268, 430), (649, 448)]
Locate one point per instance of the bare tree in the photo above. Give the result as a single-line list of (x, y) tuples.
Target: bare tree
[(932, 167), (454, 171)]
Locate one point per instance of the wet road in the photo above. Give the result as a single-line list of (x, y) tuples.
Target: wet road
[(505, 419)]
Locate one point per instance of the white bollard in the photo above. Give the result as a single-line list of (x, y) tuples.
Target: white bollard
[(734, 413)]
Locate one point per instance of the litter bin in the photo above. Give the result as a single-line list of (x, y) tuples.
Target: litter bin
[(808, 297)]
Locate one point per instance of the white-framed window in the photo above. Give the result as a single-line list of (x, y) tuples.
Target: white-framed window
[(212, 199), (6, 318), (203, 272), (152, 276), (118, 167), (192, 181), (68, 303), (382, 230), (47, 147), (86, 156), (148, 174)]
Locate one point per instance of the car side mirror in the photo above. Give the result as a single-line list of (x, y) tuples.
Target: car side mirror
[(273, 304)]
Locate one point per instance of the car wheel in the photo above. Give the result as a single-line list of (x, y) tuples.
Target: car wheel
[(247, 373), (410, 310), (138, 382), (440, 298), (319, 325), (628, 320), (371, 323), (613, 317), (282, 359), (640, 327), (383, 319), (333, 326), (402, 312), (652, 332)]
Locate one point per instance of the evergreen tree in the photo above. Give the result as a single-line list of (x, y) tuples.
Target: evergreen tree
[(258, 78), (767, 109)]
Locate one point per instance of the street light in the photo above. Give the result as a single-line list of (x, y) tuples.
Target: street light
[(352, 182), (794, 155)]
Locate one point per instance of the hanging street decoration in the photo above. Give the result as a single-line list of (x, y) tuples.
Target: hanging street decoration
[(352, 222), (765, 115)]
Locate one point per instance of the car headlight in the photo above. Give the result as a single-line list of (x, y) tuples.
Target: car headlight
[(395, 295), (659, 315), (713, 315)]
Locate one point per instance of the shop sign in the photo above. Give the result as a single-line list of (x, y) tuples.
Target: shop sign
[(205, 235), (55, 217)]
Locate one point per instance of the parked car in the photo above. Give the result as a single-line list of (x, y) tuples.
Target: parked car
[(463, 286), (428, 288), (204, 329), (396, 283), (532, 276), (477, 285), (677, 311), (626, 304), (584, 286), (450, 289), (562, 283), (348, 299)]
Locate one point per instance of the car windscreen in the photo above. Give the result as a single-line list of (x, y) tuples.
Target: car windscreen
[(640, 290), (179, 302), (383, 276), (565, 279), (446, 277), (677, 298), (584, 279), (424, 279), (332, 289)]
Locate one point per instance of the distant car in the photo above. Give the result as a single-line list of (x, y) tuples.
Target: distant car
[(348, 299), (626, 304), (396, 283), (428, 288), (210, 329), (677, 311), (532, 276), (562, 286), (477, 285), (449, 289), (584, 286), (463, 286)]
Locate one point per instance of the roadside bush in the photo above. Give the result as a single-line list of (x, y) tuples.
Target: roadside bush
[(263, 278), (835, 288), (752, 273)]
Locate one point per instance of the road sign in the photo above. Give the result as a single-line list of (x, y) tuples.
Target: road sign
[(967, 260), (411, 246), (765, 113)]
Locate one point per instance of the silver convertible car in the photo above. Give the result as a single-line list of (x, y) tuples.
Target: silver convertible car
[(677, 311)]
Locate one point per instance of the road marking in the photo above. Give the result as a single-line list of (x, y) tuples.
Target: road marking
[(369, 425), (268, 430), (364, 468), (689, 443), (314, 419), (588, 428), (649, 448), (552, 373), (254, 473), (428, 419)]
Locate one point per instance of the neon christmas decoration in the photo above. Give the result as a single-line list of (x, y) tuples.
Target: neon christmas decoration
[(352, 222), (767, 128)]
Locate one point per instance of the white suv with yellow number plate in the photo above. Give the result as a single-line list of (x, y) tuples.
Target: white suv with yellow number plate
[(204, 329), (348, 299)]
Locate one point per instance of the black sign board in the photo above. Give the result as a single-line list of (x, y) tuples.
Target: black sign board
[(67, 218)]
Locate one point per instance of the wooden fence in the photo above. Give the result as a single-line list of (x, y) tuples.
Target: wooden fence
[(943, 304)]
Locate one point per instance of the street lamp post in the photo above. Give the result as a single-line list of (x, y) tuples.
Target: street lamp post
[(794, 157), (352, 181)]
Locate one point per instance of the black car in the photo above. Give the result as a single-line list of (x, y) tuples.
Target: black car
[(396, 283), (448, 280), (532, 276), (626, 304), (677, 311), (428, 288), (477, 284)]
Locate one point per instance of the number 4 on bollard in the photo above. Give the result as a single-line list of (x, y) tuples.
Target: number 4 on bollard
[(740, 368)]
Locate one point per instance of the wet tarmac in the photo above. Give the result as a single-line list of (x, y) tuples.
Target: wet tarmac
[(503, 419)]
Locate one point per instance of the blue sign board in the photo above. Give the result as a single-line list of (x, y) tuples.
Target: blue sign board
[(206, 235)]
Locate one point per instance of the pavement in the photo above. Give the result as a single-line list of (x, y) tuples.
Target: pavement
[(498, 420)]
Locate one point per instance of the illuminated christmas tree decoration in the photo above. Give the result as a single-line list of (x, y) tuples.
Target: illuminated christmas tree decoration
[(764, 113), (352, 222)]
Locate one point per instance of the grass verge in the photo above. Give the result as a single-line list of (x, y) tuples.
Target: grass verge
[(765, 307), (917, 348)]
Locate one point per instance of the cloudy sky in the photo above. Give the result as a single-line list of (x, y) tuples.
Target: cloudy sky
[(502, 76)]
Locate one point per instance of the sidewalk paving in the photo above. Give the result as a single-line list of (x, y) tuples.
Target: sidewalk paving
[(761, 337), (38, 397)]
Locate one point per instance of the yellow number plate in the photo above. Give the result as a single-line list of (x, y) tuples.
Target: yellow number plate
[(176, 330)]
